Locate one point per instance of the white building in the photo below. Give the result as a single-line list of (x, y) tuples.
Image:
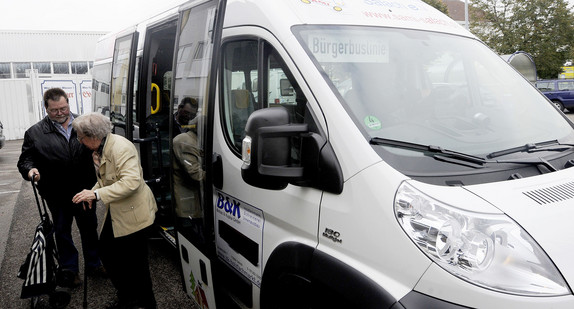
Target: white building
[(34, 61)]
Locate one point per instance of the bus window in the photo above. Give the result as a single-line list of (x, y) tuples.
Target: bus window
[(121, 84), (101, 88), (239, 100), (242, 94)]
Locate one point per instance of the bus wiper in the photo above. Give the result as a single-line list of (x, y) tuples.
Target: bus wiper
[(532, 147), (444, 154)]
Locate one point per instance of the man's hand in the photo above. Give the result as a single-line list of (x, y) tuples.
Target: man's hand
[(34, 175)]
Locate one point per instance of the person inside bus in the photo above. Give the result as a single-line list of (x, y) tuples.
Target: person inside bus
[(61, 166), (187, 175), (186, 111), (130, 210)]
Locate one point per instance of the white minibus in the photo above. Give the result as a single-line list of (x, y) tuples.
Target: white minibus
[(344, 154)]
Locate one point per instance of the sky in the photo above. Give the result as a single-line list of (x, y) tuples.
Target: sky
[(81, 15), (78, 15)]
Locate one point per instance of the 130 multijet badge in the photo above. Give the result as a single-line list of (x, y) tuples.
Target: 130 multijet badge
[(332, 235)]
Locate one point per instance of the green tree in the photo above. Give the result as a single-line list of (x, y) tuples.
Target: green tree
[(437, 4), (542, 28)]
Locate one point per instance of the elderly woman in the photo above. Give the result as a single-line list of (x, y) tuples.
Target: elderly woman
[(130, 210)]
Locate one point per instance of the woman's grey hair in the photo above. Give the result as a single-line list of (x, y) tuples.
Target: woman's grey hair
[(92, 125)]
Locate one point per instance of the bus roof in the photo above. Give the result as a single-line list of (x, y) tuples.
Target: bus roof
[(283, 14), (409, 14)]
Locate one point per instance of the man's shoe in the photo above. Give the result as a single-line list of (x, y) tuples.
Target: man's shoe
[(99, 271), (69, 279), (77, 281)]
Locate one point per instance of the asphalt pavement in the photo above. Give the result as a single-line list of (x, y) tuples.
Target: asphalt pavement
[(18, 219)]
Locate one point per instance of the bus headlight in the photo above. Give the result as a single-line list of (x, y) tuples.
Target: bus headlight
[(489, 250)]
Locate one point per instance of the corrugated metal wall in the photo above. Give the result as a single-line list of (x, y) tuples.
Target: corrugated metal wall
[(47, 46), (21, 104), (17, 111), (21, 98)]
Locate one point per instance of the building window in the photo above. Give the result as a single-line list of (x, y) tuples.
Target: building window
[(20, 69), (5, 71), (61, 68), (80, 67), (42, 67)]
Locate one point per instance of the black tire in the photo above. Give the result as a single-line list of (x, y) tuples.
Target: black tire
[(558, 105)]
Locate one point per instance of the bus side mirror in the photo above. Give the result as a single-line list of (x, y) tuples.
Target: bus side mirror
[(266, 149), (267, 154)]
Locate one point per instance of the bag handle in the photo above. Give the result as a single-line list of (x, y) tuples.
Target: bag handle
[(37, 199)]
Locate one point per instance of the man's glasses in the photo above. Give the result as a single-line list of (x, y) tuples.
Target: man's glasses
[(55, 111)]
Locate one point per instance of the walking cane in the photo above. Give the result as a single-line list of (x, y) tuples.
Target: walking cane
[(85, 302)]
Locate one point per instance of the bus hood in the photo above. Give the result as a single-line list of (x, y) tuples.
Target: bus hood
[(544, 207)]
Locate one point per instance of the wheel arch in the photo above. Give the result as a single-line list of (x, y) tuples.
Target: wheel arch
[(300, 276)]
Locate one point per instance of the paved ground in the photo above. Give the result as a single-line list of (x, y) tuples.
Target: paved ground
[(18, 219)]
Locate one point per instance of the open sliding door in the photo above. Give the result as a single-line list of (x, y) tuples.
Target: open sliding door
[(199, 32)]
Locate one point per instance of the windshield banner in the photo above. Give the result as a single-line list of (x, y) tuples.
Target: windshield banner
[(348, 48)]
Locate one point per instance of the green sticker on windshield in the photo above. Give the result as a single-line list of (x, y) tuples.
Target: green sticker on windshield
[(372, 123)]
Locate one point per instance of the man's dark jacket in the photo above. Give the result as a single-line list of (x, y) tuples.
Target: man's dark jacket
[(66, 167)]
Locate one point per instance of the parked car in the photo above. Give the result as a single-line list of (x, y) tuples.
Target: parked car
[(2, 138), (559, 91)]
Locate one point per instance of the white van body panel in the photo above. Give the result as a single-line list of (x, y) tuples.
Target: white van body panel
[(544, 207), (364, 221)]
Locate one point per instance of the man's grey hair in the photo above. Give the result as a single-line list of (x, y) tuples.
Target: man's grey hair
[(92, 125)]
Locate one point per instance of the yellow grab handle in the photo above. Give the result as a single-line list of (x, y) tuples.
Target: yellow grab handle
[(157, 102)]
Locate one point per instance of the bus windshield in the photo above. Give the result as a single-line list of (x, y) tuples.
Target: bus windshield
[(431, 88)]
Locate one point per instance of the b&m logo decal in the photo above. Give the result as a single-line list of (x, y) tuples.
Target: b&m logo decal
[(230, 206), (239, 235)]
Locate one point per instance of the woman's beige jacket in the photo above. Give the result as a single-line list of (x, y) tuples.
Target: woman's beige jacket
[(122, 189)]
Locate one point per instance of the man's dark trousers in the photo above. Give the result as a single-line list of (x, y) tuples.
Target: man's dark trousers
[(63, 212)]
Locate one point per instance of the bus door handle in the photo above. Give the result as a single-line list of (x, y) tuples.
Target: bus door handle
[(217, 165), (157, 100)]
